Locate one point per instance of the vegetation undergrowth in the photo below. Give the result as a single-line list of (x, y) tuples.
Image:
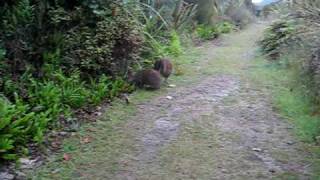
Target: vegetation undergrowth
[(106, 129), (59, 56), (293, 41), (207, 32), (291, 102)]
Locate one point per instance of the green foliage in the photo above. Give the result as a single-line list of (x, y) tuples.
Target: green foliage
[(174, 48), (16, 17), (290, 97), (295, 106), (294, 41), (111, 47), (72, 89), (15, 124), (105, 87), (277, 36), (56, 56), (100, 89), (207, 32), (2, 54), (311, 75), (225, 27), (22, 121)]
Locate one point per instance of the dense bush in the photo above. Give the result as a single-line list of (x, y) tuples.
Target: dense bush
[(276, 37), (58, 56), (110, 48)]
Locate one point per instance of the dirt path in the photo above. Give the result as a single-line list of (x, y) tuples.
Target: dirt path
[(219, 124)]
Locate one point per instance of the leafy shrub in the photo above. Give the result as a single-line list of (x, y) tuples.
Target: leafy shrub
[(276, 37), (22, 121), (106, 87), (9, 131), (155, 49), (207, 32), (100, 89), (225, 27), (109, 49), (174, 48), (73, 89)]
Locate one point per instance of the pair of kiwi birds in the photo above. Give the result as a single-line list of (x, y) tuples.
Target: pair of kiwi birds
[(151, 78)]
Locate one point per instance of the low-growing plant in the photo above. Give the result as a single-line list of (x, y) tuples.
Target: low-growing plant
[(74, 92), (225, 27), (100, 89), (206, 32), (174, 48), (15, 125), (118, 86), (45, 96)]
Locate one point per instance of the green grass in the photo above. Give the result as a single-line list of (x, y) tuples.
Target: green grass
[(287, 98), (91, 156), (298, 109), (292, 104)]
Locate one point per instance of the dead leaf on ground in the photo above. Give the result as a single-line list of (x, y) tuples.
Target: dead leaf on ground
[(86, 140), (66, 157)]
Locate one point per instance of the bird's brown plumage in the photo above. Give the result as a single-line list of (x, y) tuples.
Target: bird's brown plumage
[(148, 78), (164, 66)]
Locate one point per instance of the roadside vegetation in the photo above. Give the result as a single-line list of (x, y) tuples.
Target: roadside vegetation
[(58, 57), (292, 45)]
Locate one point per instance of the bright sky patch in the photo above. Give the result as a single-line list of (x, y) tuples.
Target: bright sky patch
[(257, 1)]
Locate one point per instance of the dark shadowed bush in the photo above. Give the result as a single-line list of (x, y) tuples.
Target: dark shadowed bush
[(56, 56)]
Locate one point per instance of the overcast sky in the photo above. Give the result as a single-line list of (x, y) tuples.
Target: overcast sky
[(263, 2), (256, 1)]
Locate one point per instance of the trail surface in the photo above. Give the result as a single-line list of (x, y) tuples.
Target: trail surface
[(218, 123)]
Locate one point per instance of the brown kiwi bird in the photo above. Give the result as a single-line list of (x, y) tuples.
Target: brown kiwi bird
[(164, 66), (148, 78)]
